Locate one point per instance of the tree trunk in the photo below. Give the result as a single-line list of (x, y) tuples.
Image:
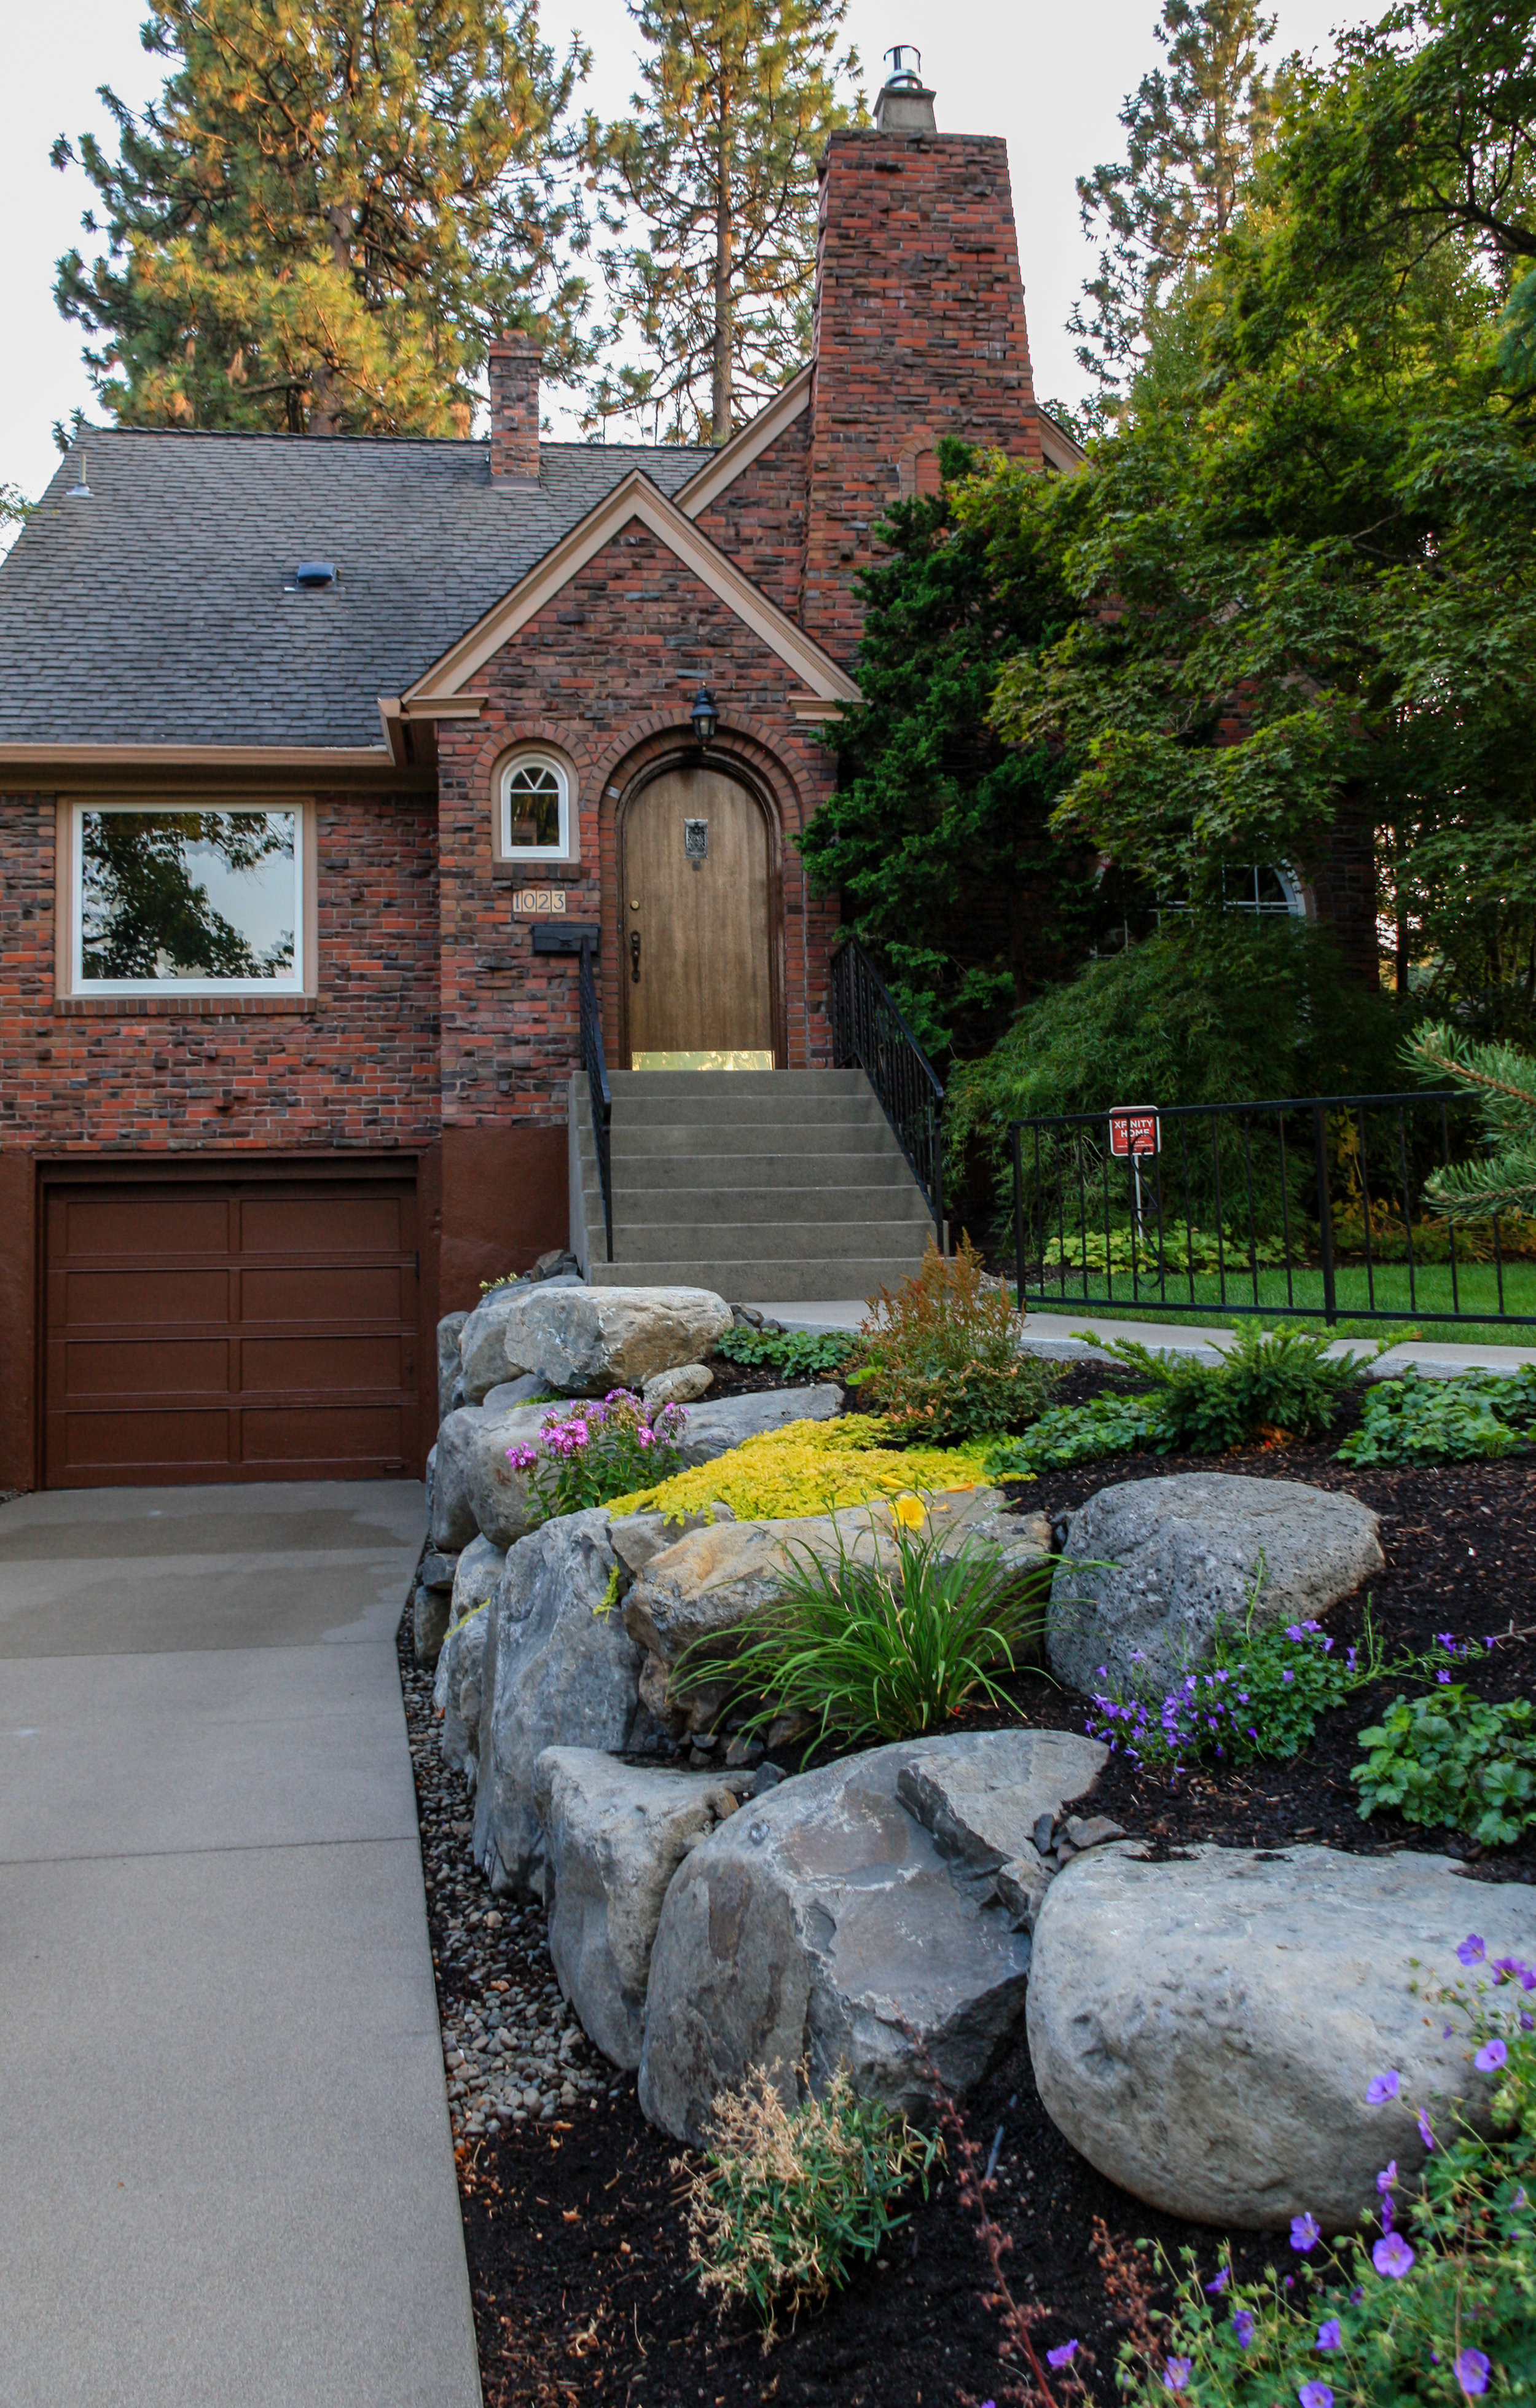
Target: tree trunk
[(720, 398)]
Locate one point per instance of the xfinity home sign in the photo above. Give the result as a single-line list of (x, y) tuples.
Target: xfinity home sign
[(1133, 1129)]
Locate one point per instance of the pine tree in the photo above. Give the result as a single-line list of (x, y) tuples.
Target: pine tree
[(326, 213), (720, 163), (1194, 130)]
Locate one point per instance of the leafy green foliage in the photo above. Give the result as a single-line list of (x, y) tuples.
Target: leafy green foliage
[(1071, 1434), (798, 1353), (1477, 1416), (1260, 1695), (1178, 1248), (937, 834), (1453, 1760), (941, 1357), (1268, 1379), (720, 164), (1503, 1079), (888, 1640), (789, 2197), (590, 1454), (1438, 2313), (328, 212)]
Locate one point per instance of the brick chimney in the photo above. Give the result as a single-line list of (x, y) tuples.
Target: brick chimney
[(514, 362), (919, 332)]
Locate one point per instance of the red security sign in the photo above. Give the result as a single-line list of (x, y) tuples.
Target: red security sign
[(1133, 1129)]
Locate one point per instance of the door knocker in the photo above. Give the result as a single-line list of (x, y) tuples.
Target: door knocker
[(696, 841)]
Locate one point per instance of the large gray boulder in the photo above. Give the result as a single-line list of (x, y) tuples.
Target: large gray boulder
[(560, 1671), (700, 1597), (476, 1488), (1204, 2031), (992, 1804), (713, 1429), (483, 1340), (431, 1601), (585, 1341), (456, 1692), (614, 1834), (1150, 1567), (449, 1366), (823, 1926), (480, 1568)]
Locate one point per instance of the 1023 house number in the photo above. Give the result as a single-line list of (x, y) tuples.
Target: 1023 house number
[(538, 898)]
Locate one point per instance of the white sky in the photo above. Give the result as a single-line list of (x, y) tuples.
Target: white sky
[(1049, 77)]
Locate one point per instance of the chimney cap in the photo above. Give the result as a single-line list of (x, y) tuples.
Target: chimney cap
[(904, 103)]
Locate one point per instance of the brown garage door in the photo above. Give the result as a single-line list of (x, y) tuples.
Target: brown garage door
[(253, 1327)]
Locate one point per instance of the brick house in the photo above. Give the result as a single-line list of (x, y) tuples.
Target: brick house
[(304, 743)]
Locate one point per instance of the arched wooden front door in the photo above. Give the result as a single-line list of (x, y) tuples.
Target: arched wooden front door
[(695, 926)]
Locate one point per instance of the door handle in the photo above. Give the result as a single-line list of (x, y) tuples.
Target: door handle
[(635, 955)]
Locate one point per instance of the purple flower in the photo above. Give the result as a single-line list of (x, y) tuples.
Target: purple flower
[(1471, 2372), (1176, 2374), (1471, 1951), (522, 1459), (1491, 2057), (1509, 1969), (1329, 2335), (1062, 2356), (1306, 2232), (1316, 2395), (1221, 2280), (1294, 1630), (1382, 2086), (1386, 2179), (1392, 2257), (1243, 2325), (1443, 1678), (1426, 2131)]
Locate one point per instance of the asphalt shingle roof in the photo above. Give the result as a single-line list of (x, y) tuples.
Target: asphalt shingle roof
[(161, 610)]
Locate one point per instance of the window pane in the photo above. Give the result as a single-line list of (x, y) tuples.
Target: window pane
[(188, 894), (532, 800)]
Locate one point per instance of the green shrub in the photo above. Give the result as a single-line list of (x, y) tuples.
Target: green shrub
[(1070, 1434), (1444, 1421), (1260, 1695), (798, 1354), (1452, 1759), (887, 1641), (1175, 1249), (1277, 1378), (789, 2196), (1438, 2313), (940, 1358)]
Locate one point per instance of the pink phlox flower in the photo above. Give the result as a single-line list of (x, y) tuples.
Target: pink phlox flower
[(522, 1458), (1392, 2257)]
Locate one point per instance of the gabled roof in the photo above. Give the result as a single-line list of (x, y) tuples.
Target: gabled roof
[(636, 499), (160, 611)]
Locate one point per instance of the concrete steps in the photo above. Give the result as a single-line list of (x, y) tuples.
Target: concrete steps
[(767, 1184)]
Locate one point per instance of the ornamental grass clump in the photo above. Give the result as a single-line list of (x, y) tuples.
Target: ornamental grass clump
[(788, 2198), (587, 1455), (1435, 2304), (889, 1645), (809, 1467), (941, 1357)]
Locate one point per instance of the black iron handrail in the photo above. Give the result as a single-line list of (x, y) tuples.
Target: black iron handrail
[(869, 1034), (595, 1063), (1261, 1188)]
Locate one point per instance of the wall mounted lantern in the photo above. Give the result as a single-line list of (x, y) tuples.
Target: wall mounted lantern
[(705, 718)]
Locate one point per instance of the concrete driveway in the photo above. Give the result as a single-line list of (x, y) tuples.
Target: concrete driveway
[(225, 2172)]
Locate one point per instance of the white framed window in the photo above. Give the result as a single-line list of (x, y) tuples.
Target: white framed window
[(168, 899), (534, 803)]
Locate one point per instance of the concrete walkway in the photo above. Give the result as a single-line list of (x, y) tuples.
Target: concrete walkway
[(225, 2173), (1052, 1334)]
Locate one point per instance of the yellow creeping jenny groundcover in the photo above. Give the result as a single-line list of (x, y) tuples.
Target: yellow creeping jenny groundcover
[(810, 1467)]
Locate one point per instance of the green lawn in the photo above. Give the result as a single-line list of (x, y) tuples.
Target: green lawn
[(1476, 1284)]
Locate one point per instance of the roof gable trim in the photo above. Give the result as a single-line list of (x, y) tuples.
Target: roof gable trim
[(746, 444), (635, 497)]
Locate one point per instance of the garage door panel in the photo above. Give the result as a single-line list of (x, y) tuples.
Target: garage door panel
[(316, 1364), (142, 1443), (152, 1223), (115, 1299), (305, 1225), (147, 1366), (216, 1328)]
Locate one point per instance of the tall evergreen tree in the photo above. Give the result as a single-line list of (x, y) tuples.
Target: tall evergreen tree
[(325, 214), (719, 163), (1192, 128)]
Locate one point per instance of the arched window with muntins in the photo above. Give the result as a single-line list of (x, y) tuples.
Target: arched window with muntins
[(535, 803)]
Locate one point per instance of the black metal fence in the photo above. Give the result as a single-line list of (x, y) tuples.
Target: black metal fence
[(869, 1034), (1304, 1207), (595, 1063)]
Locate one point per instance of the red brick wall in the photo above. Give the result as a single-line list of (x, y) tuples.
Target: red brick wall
[(607, 673), (920, 333), (760, 519), (358, 1070)]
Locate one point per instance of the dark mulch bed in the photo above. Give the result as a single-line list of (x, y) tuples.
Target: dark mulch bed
[(576, 2246)]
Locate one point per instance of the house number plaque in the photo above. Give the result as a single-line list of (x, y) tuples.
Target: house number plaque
[(538, 898), (696, 841)]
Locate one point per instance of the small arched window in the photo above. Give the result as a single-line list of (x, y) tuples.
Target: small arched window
[(535, 803)]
